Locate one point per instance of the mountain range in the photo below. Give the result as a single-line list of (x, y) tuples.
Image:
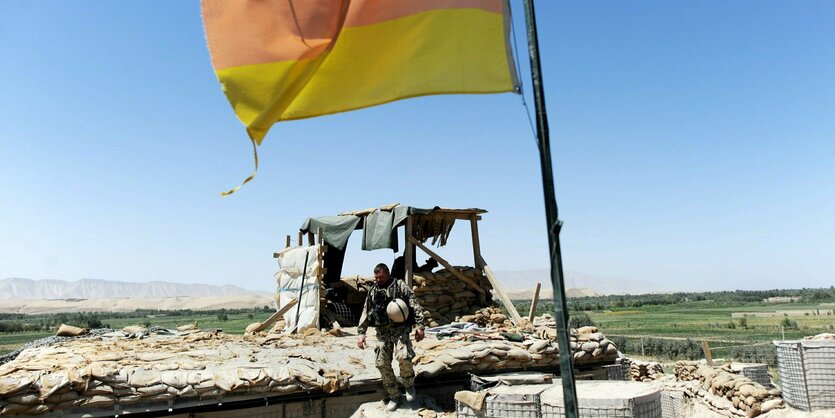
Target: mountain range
[(577, 284), (18, 288)]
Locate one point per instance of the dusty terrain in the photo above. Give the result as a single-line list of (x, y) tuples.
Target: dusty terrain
[(40, 306)]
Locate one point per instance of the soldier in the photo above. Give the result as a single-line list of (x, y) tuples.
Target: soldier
[(393, 336)]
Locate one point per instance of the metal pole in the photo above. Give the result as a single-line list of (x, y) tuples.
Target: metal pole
[(301, 291), (560, 308)]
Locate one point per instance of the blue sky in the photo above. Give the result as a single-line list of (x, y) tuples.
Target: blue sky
[(693, 143)]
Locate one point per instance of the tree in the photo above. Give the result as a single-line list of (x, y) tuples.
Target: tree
[(580, 319)]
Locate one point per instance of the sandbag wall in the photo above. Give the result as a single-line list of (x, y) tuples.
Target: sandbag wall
[(442, 356), (445, 297), (590, 345), (117, 371), (749, 398), (646, 371)]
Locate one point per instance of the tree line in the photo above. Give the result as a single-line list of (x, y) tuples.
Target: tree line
[(15, 322), (718, 299)]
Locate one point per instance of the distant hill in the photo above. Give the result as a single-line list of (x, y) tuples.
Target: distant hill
[(547, 293), (577, 284), (17, 288), (196, 303)]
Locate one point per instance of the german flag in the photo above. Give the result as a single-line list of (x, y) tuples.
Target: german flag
[(293, 59)]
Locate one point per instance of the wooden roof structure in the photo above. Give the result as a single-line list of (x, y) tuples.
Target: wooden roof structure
[(417, 232)]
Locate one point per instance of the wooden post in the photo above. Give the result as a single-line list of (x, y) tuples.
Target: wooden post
[(410, 252), (477, 252), (310, 239), (288, 242), (447, 266), (534, 302), (274, 317), (708, 353), (476, 244), (300, 238), (502, 295)]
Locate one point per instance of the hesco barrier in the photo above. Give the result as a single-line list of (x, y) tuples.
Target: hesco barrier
[(596, 399), (522, 401), (670, 402), (618, 371), (807, 373), (755, 371)]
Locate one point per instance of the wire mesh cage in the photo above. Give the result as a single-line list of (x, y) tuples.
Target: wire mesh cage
[(507, 401), (618, 372), (757, 372), (670, 402), (606, 400), (807, 373), (596, 399)]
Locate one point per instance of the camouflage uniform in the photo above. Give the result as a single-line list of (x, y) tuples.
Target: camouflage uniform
[(393, 338)]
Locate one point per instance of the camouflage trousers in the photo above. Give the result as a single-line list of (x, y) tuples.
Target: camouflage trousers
[(399, 347)]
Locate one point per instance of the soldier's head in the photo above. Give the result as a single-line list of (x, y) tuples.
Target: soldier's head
[(381, 274)]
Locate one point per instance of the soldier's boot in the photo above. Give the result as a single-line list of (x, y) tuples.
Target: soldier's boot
[(392, 405), (410, 393)]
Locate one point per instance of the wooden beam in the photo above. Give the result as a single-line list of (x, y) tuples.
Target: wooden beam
[(274, 317), (476, 244), (410, 252), (447, 266), (534, 302), (310, 239), (708, 353), (477, 252), (288, 242), (300, 238), (502, 295)]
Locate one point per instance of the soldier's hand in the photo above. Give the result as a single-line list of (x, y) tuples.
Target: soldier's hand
[(361, 342), (419, 334)]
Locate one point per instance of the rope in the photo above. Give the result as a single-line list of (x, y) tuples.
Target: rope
[(518, 74)]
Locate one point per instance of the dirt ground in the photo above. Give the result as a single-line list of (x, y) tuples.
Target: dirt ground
[(424, 406)]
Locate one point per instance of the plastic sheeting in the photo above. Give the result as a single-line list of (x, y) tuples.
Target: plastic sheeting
[(297, 282), (335, 229)]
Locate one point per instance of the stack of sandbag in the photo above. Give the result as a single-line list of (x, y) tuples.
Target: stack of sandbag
[(487, 317), (587, 343), (443, 356), (645, 371), (103, 372), (748, 398), (445, 297), (544, 320), (590, 345)]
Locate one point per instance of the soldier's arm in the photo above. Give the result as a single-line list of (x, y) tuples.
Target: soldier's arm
[(362, 327), (415, 304)]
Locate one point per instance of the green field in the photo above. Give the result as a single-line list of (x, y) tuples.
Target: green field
[(705, 321), (234, 324), (668, 325)]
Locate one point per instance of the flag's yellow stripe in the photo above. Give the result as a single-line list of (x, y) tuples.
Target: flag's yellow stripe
[(435, 52)]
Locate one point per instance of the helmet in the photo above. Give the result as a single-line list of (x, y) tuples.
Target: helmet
[(398, 311)]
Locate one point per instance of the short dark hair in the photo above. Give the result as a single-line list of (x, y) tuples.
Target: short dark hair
[(382, 267)]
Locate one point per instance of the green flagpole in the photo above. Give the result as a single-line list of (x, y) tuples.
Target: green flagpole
[(560, 309)]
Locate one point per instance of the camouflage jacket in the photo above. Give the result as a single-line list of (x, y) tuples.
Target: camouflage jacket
[(374, 314)]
